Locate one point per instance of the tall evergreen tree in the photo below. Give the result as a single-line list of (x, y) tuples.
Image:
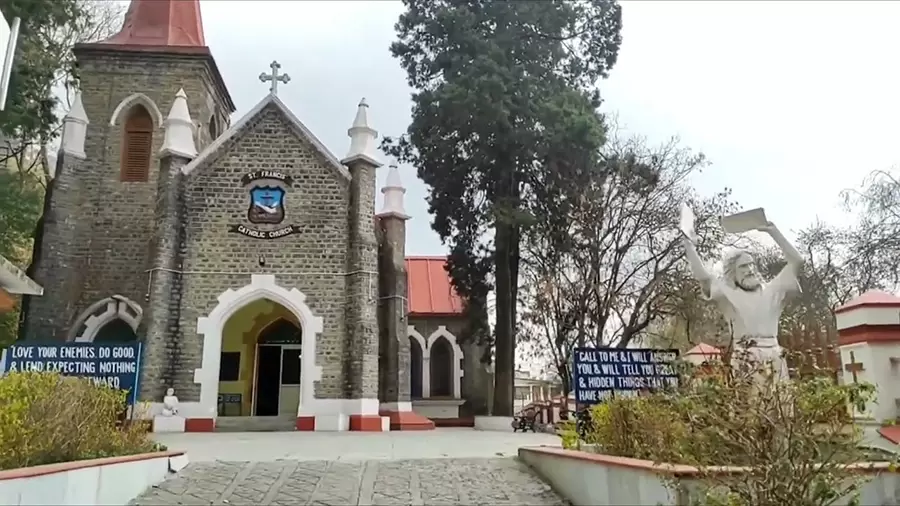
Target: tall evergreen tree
[(504, 118)]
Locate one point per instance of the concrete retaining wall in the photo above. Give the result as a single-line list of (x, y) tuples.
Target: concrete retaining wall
[(590, 479), (113, 481)]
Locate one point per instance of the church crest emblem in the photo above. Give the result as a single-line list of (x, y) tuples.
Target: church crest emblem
[(266, 205), (267, 192)]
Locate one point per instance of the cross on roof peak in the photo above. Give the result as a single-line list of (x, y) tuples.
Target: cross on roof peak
[(274, 77)]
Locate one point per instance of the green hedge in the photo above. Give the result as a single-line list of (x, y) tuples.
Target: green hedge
[(46, 418)]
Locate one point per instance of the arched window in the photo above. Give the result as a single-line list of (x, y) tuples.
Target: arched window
[(441, 368), (281, 332), (415, 369), (137, 145), (116, 331), (213, 127)]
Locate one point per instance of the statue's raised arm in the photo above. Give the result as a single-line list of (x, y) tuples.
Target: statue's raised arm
[(689, 237), (793, 257)]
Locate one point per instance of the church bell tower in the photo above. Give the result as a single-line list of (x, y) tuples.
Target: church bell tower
[(100, 230)]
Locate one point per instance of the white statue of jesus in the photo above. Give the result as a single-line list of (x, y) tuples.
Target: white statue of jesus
[(752, 307)]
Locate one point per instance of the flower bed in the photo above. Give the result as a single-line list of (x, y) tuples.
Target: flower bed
[(62, 441), (591, 479), (736, 438), (112, 480)]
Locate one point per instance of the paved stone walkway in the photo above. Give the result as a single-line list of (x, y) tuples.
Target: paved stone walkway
[(448, 481)]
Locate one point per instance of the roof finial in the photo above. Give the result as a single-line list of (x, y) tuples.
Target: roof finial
[(75, 129), (179, 139), (362, 138), (393, 195)]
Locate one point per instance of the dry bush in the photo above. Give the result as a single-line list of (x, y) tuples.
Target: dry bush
[(793, 437), (46, 418)]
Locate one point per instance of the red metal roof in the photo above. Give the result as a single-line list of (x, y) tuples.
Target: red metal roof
[(872, 298), (429, 289), (161, 23), (704, 349)]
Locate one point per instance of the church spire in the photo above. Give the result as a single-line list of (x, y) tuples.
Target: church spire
[(161, 23)]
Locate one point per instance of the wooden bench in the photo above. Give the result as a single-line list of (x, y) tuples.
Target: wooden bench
[(525, 421)]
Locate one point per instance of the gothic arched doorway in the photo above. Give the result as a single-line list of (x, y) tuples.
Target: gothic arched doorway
[(415, 369), (441, 368), (115, 331)]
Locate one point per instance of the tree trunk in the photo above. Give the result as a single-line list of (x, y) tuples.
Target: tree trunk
[(36, 248), (565, 378), (505, 364)]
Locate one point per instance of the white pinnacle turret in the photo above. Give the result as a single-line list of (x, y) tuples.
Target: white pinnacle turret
[(393, 196), (179, 139), (362, 138), (75, 129)]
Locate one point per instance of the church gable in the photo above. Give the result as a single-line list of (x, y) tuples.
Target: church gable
[(267, 195), (267, 179), (269, 105)]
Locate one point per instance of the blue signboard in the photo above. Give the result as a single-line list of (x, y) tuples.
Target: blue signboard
[(114, 365), (603, 372)]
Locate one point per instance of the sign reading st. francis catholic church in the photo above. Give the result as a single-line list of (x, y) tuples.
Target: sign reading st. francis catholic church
[(266, 190)]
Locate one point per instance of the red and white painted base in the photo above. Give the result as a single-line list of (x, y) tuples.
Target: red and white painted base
[(330, 415), (325, 415), (402, 417), (494, 423), (191, 417), (164, 424)]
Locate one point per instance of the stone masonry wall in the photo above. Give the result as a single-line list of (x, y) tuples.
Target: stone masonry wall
[(162, 355), (61, 259), (314, 260), (113, 249), (476, 382), (361, 363), (393, 353)]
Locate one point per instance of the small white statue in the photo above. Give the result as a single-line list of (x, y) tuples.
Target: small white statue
[(170, 403), (752, 306)]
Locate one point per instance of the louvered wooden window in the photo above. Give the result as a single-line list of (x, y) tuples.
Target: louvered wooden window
[(137, 146)]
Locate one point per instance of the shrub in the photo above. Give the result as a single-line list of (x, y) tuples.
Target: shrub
[(648, 428), (793, 437), (568, 434), (46, 418)]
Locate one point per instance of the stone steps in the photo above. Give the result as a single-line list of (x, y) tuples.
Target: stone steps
[(255, 423)]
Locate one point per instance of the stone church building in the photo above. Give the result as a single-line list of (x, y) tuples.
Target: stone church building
[(247, 259)]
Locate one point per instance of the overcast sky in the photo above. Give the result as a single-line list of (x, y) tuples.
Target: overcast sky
[(791, 101)]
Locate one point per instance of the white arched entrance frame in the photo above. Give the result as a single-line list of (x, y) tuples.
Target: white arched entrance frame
[(102, 312), (137, 98), (262, 286), (426, 358)]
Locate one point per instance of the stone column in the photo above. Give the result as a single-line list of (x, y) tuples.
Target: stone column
[(361, 361), (162, 367), (393, 305), (57, 263)]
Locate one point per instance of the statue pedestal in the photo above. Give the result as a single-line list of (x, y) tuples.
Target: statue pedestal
[(168, 423)]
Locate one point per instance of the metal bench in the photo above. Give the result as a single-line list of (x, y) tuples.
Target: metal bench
[(232, 401), (525, 421)]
